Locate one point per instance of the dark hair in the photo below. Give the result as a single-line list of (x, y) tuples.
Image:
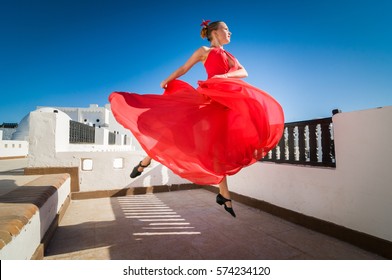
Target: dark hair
[(207, 29)]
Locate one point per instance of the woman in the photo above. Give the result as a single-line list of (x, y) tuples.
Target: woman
[(207, 133)]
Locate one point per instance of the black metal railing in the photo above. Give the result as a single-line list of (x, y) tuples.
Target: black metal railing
[(306, 143), (80, 133)]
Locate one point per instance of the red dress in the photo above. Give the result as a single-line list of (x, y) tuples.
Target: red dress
[(206, 133)]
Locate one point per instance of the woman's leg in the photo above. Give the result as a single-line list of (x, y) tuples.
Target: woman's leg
[(224, 191), (138, 169), (145, 162)]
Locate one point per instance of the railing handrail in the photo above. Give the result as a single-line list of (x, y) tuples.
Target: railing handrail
[(306, 122)]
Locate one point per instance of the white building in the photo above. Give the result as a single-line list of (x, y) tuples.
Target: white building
[(10, 148), (99, 117), (7, 129), (95, 116)]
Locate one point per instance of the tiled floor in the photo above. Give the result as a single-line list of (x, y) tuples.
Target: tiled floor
[(186, 225)]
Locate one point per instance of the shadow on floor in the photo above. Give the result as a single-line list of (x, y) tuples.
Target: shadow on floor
[(186, 225)]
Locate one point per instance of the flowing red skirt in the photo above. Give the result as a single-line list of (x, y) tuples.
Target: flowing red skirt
[(206, 133)]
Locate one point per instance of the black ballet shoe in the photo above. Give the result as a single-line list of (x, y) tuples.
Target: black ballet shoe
[(135, 172), (222, 201)]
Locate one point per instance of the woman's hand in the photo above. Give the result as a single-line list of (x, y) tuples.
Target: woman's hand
[(239, 73), (164, 84)]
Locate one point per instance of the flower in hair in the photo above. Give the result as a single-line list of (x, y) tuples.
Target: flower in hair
[(205, 23)]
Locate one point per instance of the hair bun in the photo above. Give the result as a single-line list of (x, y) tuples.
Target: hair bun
[(204, 30)]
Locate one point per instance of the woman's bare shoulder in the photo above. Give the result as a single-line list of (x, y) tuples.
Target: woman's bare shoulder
[(203, 52)]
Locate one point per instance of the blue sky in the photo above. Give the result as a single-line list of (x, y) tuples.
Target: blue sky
[(312, 56)]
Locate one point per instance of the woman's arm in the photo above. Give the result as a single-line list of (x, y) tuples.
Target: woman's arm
[(239, 73), (197, 56)]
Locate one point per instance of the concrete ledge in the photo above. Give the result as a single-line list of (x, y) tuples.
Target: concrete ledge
[(72, 171), (12, 157), (28, 212), (132, 191)]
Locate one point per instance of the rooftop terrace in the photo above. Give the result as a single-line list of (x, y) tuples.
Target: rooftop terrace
[(179, 225), (185, 225)]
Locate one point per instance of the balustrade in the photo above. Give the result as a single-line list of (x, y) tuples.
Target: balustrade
[(307, 142)]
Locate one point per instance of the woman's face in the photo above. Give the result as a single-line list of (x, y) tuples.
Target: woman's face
[(223, 34)]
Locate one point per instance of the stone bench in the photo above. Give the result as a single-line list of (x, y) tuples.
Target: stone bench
[(29, 215)]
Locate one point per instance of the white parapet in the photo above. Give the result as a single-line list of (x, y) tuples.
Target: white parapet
[(101, 166), (357, 194), (12, 148)]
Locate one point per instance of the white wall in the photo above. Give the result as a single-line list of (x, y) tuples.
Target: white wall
[(101, 167), (11, 148), (110, 170), (357, 194)]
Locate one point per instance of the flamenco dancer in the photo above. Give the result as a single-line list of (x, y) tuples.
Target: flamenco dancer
[(207, 133)]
